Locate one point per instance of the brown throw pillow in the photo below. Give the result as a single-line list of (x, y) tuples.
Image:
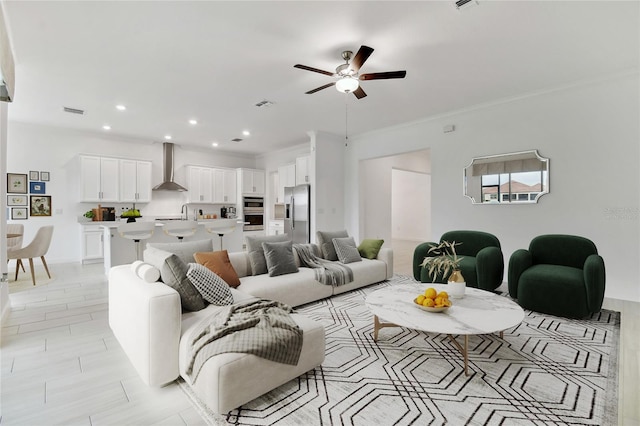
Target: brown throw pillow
[(218, 262)]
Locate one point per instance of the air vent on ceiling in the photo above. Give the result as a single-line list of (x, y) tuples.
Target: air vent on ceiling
[(464, 4), (73, 110), (236, 140), (264, 104)]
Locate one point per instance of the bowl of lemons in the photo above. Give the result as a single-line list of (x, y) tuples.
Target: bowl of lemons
[(432, 301)]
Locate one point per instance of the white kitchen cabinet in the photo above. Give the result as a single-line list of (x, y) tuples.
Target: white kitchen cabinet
[(252, 181), (92, 244), (135, 181), (286, 178), (275, 227), (99, 179), (302, 170), (200, 184), (224, 186)]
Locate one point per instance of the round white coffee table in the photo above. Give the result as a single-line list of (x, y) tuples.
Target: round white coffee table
[(478, 312)]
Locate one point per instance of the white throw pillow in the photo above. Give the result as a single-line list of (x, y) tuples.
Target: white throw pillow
[(146, 272), (346, 250), (212, 288)]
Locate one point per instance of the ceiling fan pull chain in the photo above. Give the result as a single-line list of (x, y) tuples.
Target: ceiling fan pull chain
[(346, 119)]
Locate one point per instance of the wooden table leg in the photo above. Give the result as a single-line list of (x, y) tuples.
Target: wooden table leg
[(377, 325), (464, 350)]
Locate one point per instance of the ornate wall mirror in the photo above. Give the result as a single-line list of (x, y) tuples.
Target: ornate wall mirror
[(516, 178)]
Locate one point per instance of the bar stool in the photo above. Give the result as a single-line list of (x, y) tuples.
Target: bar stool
[(180, 228), (221, 227), (137, 231)]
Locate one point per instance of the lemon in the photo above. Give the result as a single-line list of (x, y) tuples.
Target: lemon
[(443, 294), (419, 299), (428, 302), (430, 293)]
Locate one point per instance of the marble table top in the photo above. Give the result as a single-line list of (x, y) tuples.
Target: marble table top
[(478, 312)]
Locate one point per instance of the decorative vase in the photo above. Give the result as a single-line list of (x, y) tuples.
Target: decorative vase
[(456, 284)]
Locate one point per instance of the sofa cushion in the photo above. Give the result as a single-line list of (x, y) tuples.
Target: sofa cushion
[(218, 262), (292, 289), (184, 250), (346, 250), (369, 248), (212, 288), (145, 271), (174, 274), (325, 241), (256, 252), (279, 257)]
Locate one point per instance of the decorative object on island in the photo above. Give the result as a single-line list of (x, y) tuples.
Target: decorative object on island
[(40, 205), (132, 214), (89, 215), (16, 183), (442, 259)]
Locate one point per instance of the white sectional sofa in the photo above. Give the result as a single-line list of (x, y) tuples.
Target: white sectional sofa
[(148, 321)]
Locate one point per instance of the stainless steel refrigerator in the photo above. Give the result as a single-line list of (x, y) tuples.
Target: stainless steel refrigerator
[(297, 213)]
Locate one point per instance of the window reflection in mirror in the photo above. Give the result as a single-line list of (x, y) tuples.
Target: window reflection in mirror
[(521, 177)]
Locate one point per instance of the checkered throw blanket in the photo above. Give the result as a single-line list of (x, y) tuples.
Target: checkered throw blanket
[(260, 327), (326, 271)]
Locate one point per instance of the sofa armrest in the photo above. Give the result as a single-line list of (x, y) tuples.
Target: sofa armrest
[(519, 261), (419, 254), (146, 321), (386, 255), (490, 268), (594, 280)]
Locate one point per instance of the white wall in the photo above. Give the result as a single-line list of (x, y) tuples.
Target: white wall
[(589, 131), (33, 147)]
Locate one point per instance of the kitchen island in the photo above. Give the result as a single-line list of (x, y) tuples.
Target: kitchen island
[(120, 251)]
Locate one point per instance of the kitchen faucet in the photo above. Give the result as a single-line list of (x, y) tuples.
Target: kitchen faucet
[(184, 209)]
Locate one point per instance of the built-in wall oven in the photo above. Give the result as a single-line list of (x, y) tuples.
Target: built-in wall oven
[(253, 212)]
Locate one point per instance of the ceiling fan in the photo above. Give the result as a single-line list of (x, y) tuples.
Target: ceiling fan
[(347, 77)]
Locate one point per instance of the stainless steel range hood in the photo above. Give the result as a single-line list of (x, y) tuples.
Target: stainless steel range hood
[(167, 171)]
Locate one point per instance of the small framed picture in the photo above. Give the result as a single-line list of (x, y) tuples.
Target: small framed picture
[(17, 200), (37, 187), (34, 175), (16, 183), (44, 176), (19, 213), (40, 205)]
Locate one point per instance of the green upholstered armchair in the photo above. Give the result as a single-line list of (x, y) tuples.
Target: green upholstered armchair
[(482, 265), (560, 275)]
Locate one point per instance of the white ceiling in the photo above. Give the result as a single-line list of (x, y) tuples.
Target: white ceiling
[(213, 61)]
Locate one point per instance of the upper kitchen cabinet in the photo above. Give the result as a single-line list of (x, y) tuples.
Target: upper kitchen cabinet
[(200, 184), (252, 181), (224, 186), (99, 179), (286, 178), (135, 181), (302, 170)]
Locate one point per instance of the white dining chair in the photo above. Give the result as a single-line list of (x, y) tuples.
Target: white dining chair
[(38, 247), (15, 242)]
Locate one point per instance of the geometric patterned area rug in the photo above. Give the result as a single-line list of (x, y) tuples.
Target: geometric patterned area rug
[(545, 371)]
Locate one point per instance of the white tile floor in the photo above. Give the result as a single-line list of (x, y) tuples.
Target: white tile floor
[(60, 363)]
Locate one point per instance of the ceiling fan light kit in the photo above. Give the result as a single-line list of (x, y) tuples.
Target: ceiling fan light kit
[(346, 75), (347, 84)]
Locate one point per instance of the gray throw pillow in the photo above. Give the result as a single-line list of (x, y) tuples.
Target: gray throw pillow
[(347, 250), (212, 288), (174, 274), (256, 252), (184, 250), (325, 241), (280, 259)]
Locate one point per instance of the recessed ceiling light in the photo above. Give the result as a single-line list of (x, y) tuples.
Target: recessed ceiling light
[(246, 132), (214, 144), (167, 137), (106, 127), (192, 121), (121, 107)]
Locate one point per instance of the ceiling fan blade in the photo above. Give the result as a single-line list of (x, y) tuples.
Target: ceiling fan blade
[(304, 67), (359, 93), (363, 54), (317, 89), (383, 75)]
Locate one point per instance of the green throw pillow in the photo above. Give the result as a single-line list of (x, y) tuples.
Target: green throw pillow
[(369, 249)]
